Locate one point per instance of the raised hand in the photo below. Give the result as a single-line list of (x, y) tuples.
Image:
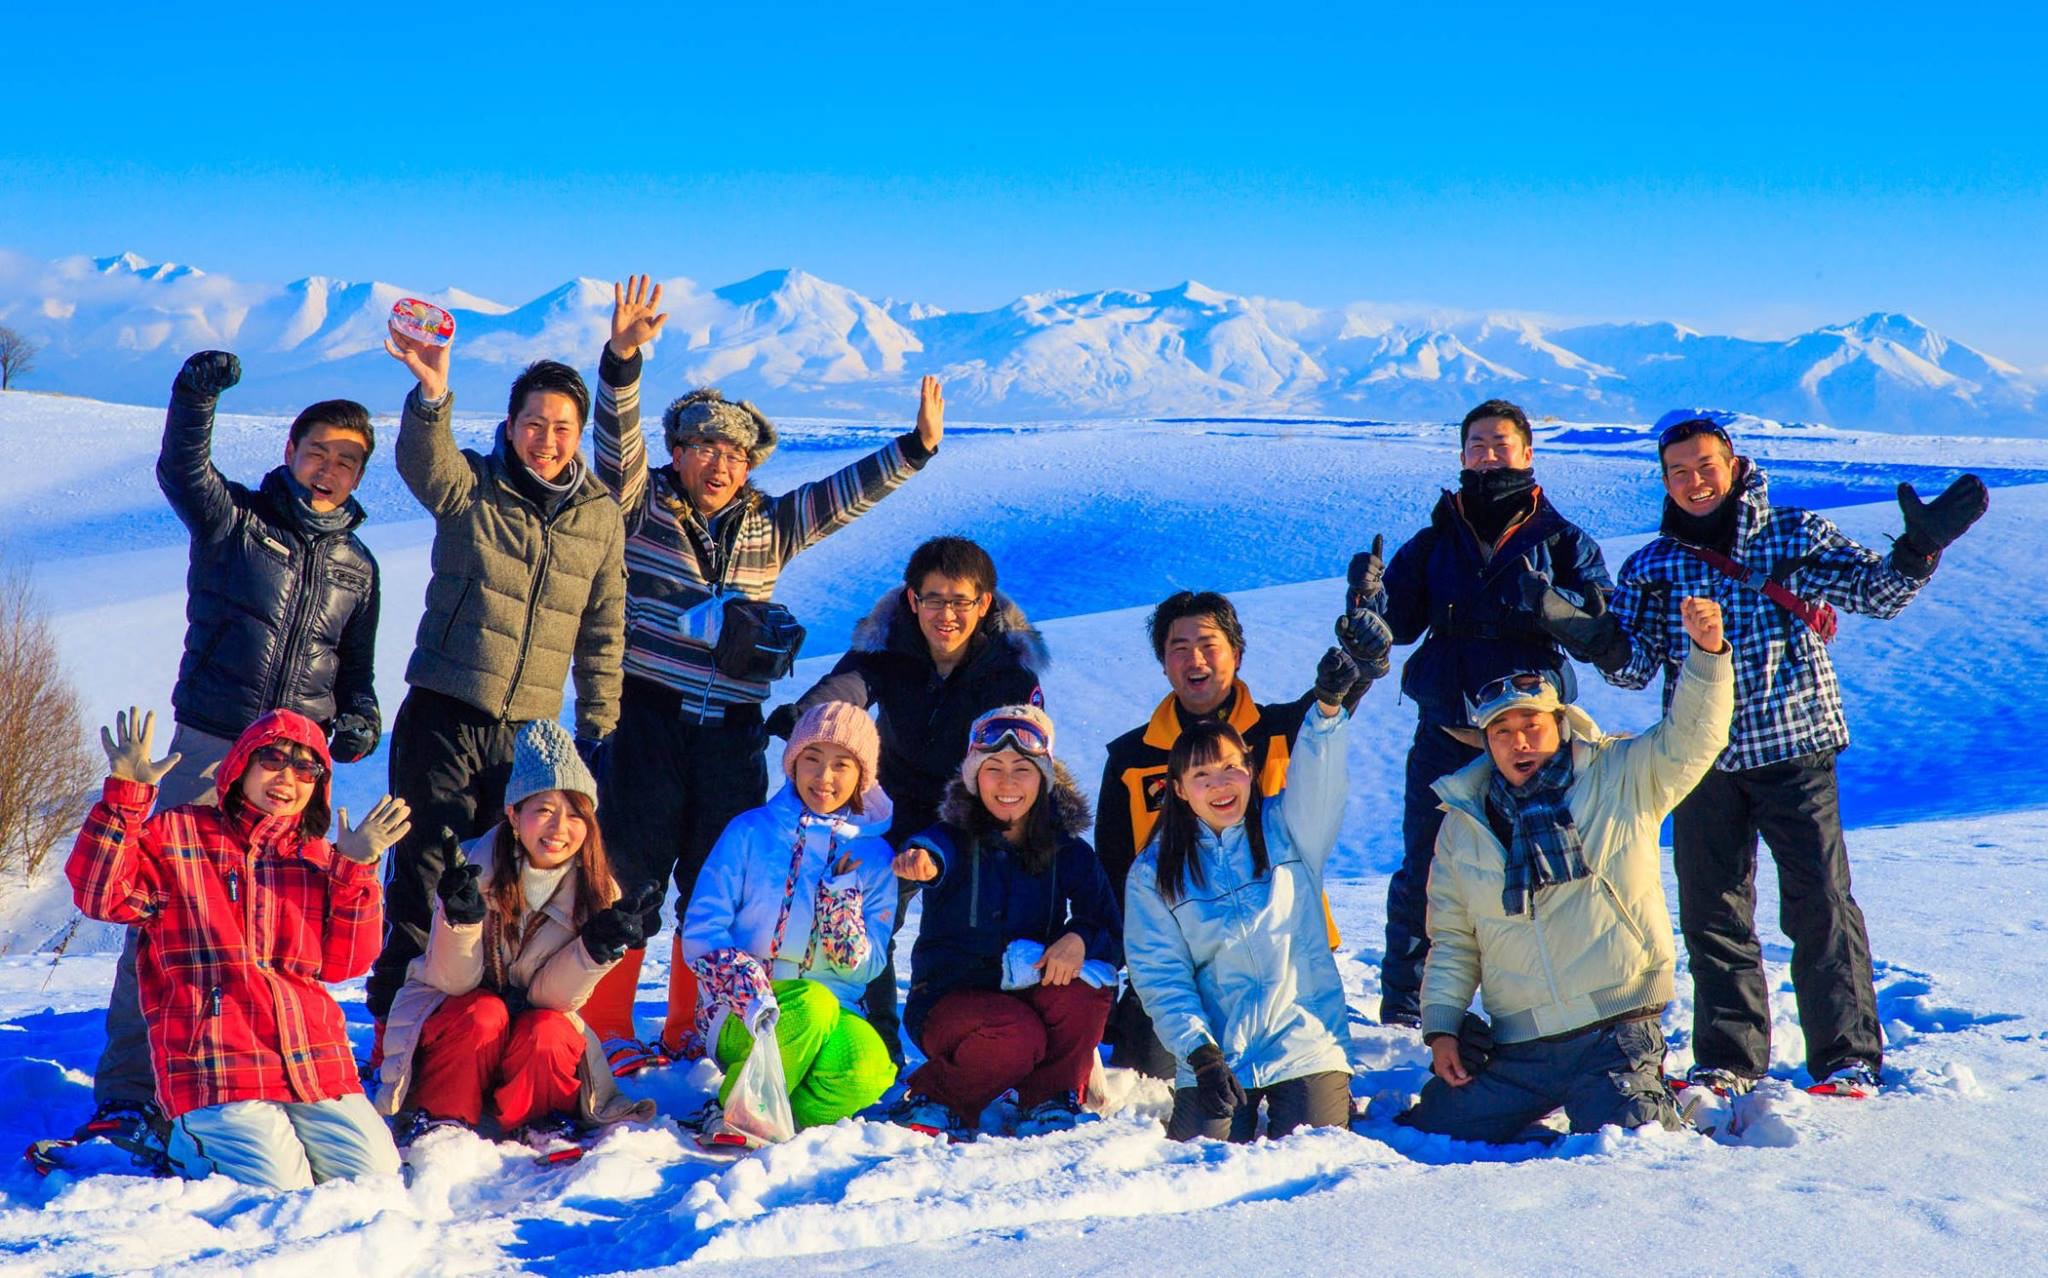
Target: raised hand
[(1062, 960), (931, 412), (1364, 581), (916, 865), (1702, 620), (127, 748), (1336, 675), (1932, 526), (1365, 636), (622, 925), (207, 374), (460, 889), (386, 824), (637, 316), (426, 361)]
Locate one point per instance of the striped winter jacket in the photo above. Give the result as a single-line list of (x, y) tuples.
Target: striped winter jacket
[(243, 924), (674, 559)]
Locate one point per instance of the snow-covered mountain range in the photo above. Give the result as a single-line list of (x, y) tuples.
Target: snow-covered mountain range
[(117, 328)]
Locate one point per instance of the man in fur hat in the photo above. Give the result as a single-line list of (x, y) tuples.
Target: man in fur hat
[(687, 757)]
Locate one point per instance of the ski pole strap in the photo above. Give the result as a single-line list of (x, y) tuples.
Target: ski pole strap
[(1819, 617)]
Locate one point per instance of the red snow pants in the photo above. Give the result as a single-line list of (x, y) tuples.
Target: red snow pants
[(473, 1047)]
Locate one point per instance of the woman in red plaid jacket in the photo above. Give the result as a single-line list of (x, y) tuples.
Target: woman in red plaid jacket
[(246, 912)]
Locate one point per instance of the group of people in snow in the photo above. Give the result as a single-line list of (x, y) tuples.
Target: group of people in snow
[(502, 897)]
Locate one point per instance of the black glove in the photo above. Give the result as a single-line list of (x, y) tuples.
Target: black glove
[(1475, 1043), (1932, 526), (1336, 675), (1368, 641), (461, 893), (517, 1002), (591, 750), (1216, 1087), (355, 737), (207, 374), (1589, 634), (782, 720), (620, 926), (1363, 583)]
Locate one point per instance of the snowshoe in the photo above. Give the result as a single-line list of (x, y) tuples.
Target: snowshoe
[(923, 1114), (1721, 1082), (714, 1135), (628, 1056), (1058, 1114), (137, 1129), (1855, 1080), (410, 1126)]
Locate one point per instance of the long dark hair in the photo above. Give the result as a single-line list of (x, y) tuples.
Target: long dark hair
[(1041, 843), (1178, 833), (595, 887)]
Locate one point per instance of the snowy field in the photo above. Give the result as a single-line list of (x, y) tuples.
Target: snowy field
[(1090, 525)]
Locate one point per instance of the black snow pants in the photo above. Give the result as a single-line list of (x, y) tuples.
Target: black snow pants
[(450, 761), (1794, 806)]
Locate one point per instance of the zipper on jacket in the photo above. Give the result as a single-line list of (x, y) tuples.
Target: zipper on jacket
[(540, 569), (1543, 951), (295, 625), (974, 888)]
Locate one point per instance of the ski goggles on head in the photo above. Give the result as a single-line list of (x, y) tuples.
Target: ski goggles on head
[(1526, 691), (277, 758), (1026, 737), (1692, 428)]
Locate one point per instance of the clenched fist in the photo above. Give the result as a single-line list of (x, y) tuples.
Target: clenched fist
[(1702, 618)]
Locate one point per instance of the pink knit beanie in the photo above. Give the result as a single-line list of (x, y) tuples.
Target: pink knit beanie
[(842, 724)]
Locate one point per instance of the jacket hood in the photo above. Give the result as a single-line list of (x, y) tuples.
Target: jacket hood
[(890, 626), (278, 725), (1071, 811), (277, 489)]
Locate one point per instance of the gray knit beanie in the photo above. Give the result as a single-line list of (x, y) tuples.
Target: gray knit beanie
[(706, 414), (544, 758)]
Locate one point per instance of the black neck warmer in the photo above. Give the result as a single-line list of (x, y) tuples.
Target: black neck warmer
[(1714, 531), (1493, 499)]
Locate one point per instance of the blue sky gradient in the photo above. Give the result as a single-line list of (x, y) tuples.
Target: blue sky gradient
[(1740, 169)]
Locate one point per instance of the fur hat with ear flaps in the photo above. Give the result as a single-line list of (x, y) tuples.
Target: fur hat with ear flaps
[(706, 414)]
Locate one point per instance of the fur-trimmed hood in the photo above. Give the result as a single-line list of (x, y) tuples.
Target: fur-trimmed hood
[(891, 626), (1073, 814)]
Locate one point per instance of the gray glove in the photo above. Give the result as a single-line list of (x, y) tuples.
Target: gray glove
[(386, 824), (127, 748)]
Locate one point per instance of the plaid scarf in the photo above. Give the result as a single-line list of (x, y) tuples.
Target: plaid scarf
[(1545, 848)]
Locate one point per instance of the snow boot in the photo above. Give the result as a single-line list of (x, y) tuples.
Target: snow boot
[(136, 1128), (1721, 1082), (714, 1134), (923, 1114), (1061, 1113), (410, 1125)]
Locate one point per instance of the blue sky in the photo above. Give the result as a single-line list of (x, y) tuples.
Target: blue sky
[(1753, 171)]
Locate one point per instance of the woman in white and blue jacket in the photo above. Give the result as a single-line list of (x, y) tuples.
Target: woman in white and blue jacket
[(1224, 933), (790, 920)]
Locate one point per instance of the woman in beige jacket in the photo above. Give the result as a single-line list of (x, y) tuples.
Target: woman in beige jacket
[(1546, 898), (529, 919)]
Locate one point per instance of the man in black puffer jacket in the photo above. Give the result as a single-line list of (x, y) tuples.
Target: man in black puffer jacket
[(932, 657), (281, 613)]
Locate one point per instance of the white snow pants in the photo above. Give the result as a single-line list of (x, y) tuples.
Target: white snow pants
[(284, 1145)]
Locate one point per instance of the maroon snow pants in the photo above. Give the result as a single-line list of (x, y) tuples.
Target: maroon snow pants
[(978, 1044)]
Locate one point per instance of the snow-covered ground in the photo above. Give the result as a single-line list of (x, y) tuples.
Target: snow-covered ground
[(1089, 526)]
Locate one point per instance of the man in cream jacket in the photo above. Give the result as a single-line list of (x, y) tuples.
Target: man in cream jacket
[(1546, 898)]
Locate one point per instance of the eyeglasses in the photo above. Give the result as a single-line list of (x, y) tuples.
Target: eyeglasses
[(1691, 428), (712, 455), (272, 758), (936, 604), (991, 735)]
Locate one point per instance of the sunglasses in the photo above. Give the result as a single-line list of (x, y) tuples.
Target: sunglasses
[(1692, 428), (273, 758), (1028, 738)]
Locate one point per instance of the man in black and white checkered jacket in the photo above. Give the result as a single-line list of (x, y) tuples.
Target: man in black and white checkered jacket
[(1778, 573)]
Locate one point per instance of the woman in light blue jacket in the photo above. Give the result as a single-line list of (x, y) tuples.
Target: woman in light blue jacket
[(1224, 933), (790, 920)]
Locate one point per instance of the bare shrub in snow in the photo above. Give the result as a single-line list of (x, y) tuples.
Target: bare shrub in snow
[(46, 771), (17, 356)]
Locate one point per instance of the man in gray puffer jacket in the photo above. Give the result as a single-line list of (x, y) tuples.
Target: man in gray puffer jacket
[(529, 584)]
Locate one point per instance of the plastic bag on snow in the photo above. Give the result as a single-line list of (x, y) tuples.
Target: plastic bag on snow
[(759, 1101)]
